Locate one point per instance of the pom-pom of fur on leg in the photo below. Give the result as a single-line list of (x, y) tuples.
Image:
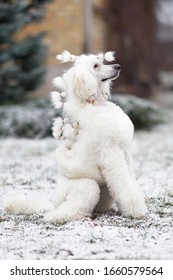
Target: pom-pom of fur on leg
[(57, 128), (56, 99), (68, 131), (21, 204), (59, 83), (63, 94)]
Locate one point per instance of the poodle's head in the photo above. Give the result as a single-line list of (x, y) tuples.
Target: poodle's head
[(91, 75)]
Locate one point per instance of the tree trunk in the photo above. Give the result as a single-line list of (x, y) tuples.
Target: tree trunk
[(132, 27)]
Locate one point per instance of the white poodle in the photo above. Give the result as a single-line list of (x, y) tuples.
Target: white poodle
[(95, 166)]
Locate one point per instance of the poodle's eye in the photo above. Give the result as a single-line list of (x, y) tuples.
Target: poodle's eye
[(96, 65)]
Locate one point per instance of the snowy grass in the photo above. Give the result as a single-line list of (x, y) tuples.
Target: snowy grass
[(30, 119), (29, 165), (33, 119)]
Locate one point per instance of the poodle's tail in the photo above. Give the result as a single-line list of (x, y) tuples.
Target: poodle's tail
[(22, 204)]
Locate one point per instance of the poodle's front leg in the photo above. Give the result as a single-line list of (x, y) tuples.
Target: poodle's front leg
[(79, 202), (122, 185)]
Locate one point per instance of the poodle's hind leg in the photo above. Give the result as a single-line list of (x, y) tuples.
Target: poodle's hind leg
[(62, 191), (122, 185), (79, 203)]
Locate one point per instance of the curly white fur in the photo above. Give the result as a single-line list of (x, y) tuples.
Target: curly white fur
[(94, 146)]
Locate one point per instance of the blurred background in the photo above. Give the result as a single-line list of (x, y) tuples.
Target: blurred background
[(32, 33)]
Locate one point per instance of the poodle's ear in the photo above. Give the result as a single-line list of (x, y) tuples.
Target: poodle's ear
[(82, 82)]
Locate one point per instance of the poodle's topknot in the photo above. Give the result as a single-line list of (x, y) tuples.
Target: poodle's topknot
[(66, 56)]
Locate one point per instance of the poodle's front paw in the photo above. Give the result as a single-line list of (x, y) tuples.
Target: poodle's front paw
[(134, 208), (57, 128), (68, 130)]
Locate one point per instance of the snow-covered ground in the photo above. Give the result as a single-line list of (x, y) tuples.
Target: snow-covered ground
[(29, 165)]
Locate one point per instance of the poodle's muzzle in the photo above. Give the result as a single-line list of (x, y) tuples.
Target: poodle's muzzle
[(112, 72)]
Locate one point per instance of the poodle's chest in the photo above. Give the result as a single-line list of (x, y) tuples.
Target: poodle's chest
[(99, 130), (105, 125)]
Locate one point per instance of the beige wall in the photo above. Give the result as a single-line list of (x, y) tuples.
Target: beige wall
[(64, 24), (99, 42)]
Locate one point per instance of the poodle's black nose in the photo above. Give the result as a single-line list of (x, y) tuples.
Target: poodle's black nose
[(117, 67)]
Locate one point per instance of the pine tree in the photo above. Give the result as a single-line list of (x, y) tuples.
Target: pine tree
[(22, 63)]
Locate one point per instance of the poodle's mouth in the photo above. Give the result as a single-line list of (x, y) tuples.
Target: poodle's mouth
[(111, 78)]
